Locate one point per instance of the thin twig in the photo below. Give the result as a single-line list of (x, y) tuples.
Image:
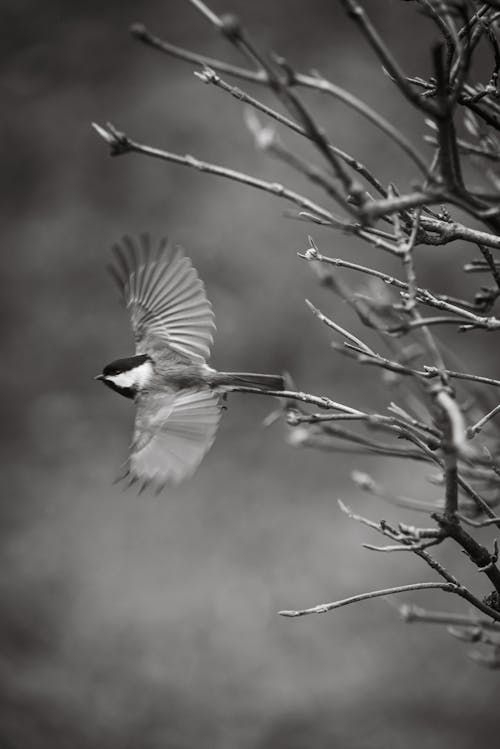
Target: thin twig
[(322, 608), (314, 82), (411, 613), (237, 36), (208, 75), (331, 324), (478, 426), (357, 13), (424, 296), (453, 439), (266, 140), (120, 143)]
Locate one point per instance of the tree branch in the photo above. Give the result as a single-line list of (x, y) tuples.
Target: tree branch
[(322, 608)]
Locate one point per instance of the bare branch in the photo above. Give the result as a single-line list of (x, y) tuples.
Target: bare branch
[(476, 428), (314, 82), (234, 32), (480, 523), (322, 608), (208, 75), (357, 13), (338, 328), (121, 144), (266, 139), (411, 613)]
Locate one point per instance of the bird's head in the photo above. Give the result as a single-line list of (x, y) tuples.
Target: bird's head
[(128, 376)]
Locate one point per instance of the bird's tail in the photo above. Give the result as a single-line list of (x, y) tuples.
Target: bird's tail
[(237, 380)]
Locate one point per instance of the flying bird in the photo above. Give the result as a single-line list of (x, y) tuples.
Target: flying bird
[(178, 396)]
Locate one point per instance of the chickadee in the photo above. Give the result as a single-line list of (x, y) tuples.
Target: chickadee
[(178, 396)]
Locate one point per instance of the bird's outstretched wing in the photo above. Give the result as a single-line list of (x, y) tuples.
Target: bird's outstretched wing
[(165, 298), (173, 431)]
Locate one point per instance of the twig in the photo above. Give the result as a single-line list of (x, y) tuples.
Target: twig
[(314, 82), (454, 418), (388, 206), (367, 484), (475, 634), (452, 231), (424, 296), (407, 248), (449, 161), (208, 75), (205, 10), (331, 324), (411, 613), (120, 143), (478, 426), (322, 608), (426, 322), (266, 140), (323, 440), (464, 376), (453, 439), (399, 547), (403, 538), (315, 400), (357, 13), (491, 263), (479, 523), (426, 372), (236, 35), (479, 555)]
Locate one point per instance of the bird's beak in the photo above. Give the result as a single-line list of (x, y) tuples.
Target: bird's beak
[(99, 377)]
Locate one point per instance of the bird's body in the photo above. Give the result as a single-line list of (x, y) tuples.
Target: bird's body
[(177, 394)]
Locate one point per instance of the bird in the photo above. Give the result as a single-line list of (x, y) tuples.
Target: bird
[(179, 398)]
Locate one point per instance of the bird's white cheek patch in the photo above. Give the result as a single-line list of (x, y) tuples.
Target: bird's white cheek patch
[(138, 377)]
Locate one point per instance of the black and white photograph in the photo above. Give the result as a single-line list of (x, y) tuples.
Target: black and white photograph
[(250, 281)]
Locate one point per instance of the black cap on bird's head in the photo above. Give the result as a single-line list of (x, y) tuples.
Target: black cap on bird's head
[(127, 376)]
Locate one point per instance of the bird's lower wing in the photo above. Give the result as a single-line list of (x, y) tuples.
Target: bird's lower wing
[(173, 431)]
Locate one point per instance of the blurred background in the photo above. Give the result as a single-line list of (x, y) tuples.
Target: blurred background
[(151, 621)]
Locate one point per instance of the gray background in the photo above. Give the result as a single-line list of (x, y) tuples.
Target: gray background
[(151, 622)]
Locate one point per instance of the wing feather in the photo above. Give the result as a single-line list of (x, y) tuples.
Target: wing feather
[(165, 298), (173, 432)]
